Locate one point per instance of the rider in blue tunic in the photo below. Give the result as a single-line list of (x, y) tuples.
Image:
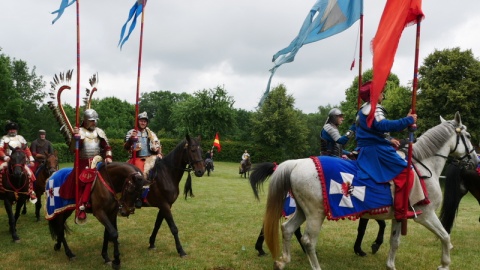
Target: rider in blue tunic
[(377, 158)]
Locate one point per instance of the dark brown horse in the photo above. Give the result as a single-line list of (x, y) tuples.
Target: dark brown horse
[(245, 166), (14, 188), (459, 180), (113, 178), (47, 167), (166, 176)]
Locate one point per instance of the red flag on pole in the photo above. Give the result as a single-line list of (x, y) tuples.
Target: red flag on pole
[(396, 16), (216, 142)]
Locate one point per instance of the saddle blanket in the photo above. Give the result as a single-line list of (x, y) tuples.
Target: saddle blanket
[(346, 196), (54, 203)]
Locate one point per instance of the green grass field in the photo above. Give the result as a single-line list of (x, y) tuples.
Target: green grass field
[(218, 229)]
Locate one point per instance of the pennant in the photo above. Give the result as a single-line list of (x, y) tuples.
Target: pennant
[(396, 16), (326, 18), (63, 5), (135, 11), (216, 142), (353, 64)]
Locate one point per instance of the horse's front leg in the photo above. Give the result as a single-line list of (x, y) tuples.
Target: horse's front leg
[(19, 207), (158, 223), (379, 240), (394, 244), (174, 231), (430, 221), (11, 220), (38, 206), (110, 234)]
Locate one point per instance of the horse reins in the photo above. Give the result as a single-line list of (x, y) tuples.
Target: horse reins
[(11, 168)]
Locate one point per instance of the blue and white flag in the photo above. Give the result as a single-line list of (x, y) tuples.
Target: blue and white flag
[(63, 5), (326, 18), (135, 11), (54, 203)]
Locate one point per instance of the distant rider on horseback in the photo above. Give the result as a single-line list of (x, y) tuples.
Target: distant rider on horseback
[(377, 158), (11, 141)]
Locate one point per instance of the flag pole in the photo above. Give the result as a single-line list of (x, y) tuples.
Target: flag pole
[(413, 127), (360, 62), (77, 111), (137, 96)]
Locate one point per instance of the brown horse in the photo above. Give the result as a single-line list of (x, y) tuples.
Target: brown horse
[(245, 166), (47, 167), (112, 179), (459, 181), (14, 188), (166, 176)]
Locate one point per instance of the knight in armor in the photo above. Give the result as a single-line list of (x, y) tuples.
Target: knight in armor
[(209, 158), (377, 157), (92, 142), (332, 143), (144, 142), (40, 148), (11, 141)]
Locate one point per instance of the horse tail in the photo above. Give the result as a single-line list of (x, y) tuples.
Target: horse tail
[(452, 196), (277, 191), (259, 174), (187, 189), (54, 225)]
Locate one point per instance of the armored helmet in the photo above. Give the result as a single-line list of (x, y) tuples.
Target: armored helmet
[(143, 115), (333, 115), (365, 91), (90, 114)]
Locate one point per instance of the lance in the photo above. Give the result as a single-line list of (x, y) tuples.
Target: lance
[(360, 60), (77, 111), (413, 127), (137, 96)]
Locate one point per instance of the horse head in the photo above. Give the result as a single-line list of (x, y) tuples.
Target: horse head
[(132, 189), (461, 148), (194, 155), (16, 164), (51, 162)]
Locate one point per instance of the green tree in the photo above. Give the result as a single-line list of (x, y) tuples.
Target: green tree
[(22, 90), (159, 105), (279, 125), (449, 82), (116, 117), (207, 112), (244, 128)]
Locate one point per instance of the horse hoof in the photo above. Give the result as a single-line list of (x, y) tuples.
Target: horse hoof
[(108, 263), (152, 247), (375, 247), (72, 259), (359, 252), (16, 240), (116, 266), (262, 253)]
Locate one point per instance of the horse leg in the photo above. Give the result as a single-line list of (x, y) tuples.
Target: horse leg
[(105, 257), (158, 223), (394, 244), (362, 227), (432, 223), (24, 210), (11, 220), (259, 244), (288, 229), (379, 240), (174, 231), (38, 206), (310, 238), (57, 226)]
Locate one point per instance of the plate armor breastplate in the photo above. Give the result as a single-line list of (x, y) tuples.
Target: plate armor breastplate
[(143, 140), (91, 144)]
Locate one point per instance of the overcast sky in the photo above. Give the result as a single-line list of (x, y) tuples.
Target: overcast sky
[(200, 44)]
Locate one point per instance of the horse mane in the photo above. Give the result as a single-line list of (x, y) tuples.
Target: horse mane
[(431, 141), (169, 158)]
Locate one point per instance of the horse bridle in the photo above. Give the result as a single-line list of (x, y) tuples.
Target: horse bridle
[(10, 170), (464, 161), (190, 162)]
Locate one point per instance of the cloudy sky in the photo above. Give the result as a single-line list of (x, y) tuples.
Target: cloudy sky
[(200, 44)]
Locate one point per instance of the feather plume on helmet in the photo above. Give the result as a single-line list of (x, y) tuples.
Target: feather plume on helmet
[(61, 82)]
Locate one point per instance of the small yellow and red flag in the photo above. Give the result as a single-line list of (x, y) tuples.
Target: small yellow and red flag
[(216, 142)]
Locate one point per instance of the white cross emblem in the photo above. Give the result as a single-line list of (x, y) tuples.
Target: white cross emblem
[(52, 192), (347, 189)]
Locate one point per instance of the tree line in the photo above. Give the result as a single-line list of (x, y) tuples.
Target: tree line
[(449, 81)]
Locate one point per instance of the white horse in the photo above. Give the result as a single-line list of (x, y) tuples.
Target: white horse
[(449, 138)]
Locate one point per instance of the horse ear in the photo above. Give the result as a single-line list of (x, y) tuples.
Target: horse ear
[(442, 120), (458, 119), (187, 137)]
